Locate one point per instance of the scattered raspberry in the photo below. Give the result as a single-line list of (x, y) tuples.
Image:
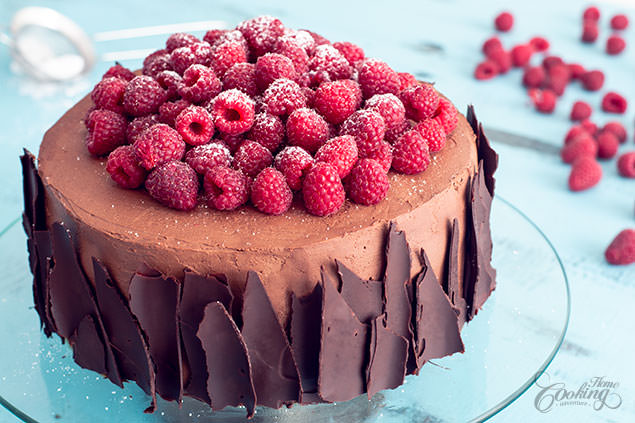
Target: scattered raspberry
[(576, 71), (622, 249), (157, 145), (241, 76), (261, 33), (521, 54), (367, 183), (539, 44), (581, 110), (420, 101), (233, 112), (170, 81), (486, 70), (411, 154), (390, 108), (322, 190), (607, 145), (290, 47), (590, 31), (350, 51), (283, 96), (574, 132), (382, 155), (143, 96), (273, 66), (170, 110), (156, 62), (591, 13), (586, 172), (118, 71), (544, 100), (504, 21), (446, 115), (108, 94), (337, 100), (106, 131), (307, 129), (268, 131), (615, 45), (340, 152), (612, 102), (406, 80), (534, 77), (558, 77), (270, 193), (123, 167), (491, 45), (583, 145), (550, 61), (393, 134), (140, 124), (173, 184), (180, 39), (200, 84), (376, 77), (589, 126), (617, 129), (619, 22), (432, 133), (195, 125), (251, 158), (294, 163), (368, 128), (502, 59), (328, 59), (626, 165), (204, 158), (226, 55), (226, 189)]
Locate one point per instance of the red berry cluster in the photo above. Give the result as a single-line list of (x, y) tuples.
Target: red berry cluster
[(259, 113), (615, 44)]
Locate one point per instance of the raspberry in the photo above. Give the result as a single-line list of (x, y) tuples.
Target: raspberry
[(626, 165), (340, 152), (619, 22), (367, 183), (124, 169), (226, 55), (389, 107), (317, 38), (446, 115), (226, 189), (504, 21), (307, 129), (612, 102), (241, 76), (410, 154), (283, 96), (586, 172), (607, 145), (156, 62), (143, 96), (294, 163), (490, 45), (322, 190), (268, 130), (617, 129), (291, 48), (502, 59), (615, 45), (432, 133), (309, 95), (622, 249), (230, 36), (583, 145), (558, 77), (539, 44), (337, 100), (270, 193), (313, 79), (170, 81), (486, 70), (590, 31), (261, 33), (213, 35), (420, 101), (106, 131), (108, 94), (140, 124), (580, 111), (233, 112), (180, 39), (591, 13), (303, 39), (173, 184), (157, 145), (273, 66), (574, 132), (350, 51), (204, 158), (203, 53), (195, 125), (232, 141), (181, 59), (118, 71), (200, 84), (589, 126), (251, 158), (544, 100), (368, 128), (328, 59), (170, 110), (521, 54), (406, 80), (576, 71), (551, 61), (376, 77), (382, 155)]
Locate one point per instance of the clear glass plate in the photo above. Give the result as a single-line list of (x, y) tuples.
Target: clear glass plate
[(508, 345)]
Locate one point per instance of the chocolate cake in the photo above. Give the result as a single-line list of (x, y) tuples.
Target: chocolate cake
[(245, 308)]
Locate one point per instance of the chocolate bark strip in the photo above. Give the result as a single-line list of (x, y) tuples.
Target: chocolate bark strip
[(275, 373), (453, 287), (437, 332), (44, 252), (343, 348), (197, 292), (88, 348), (387, 361), (229, 382), (154, 302), (485, 150), (305, 329), (365, 298), (128, 345)]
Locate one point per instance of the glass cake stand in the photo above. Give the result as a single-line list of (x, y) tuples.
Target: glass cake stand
[(508, 346)]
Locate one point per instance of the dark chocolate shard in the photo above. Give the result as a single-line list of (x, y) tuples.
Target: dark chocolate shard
[(343, 348), (44, 252), (154, 302), (197, 292), (129, 347), (306, 322), (437, 325), (88, 347), (229, 382), (34, 210), (387, 359), (485, 150), (365, 298), (453, 287), (275, 373)]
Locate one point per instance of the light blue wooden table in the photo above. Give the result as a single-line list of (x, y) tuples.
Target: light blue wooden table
[(600, 340)]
